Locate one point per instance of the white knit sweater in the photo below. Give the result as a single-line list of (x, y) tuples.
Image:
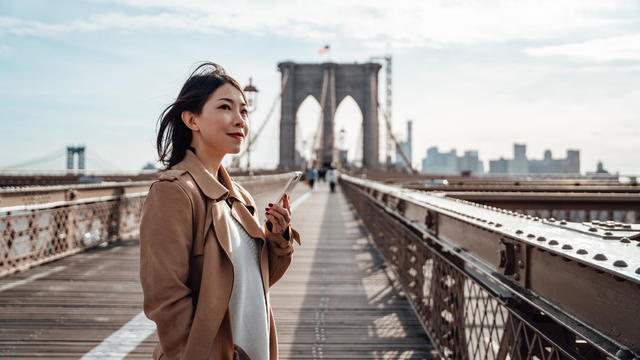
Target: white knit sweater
[(248, 306)]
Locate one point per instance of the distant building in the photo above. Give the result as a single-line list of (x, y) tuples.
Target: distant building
[(600, 168), (548, 165), (406, 148), (500, 166), (149, 166), (450, 163)]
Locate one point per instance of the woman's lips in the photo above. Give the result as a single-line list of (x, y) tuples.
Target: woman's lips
[(236, 136)]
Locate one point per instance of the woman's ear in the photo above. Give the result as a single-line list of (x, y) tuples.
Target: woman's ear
[(189, 119)]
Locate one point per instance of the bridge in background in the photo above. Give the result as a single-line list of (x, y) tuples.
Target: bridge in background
[(404, 268)]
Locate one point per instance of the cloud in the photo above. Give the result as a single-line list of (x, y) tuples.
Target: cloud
[(403, 23), (5, 49), (625, 47)]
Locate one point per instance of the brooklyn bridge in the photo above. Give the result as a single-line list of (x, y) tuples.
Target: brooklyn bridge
[(393, 265)]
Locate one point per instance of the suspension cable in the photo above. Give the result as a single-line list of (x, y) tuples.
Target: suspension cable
[(50, 156), (395, 141)]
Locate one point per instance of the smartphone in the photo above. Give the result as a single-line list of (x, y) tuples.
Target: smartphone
[(291, 183)]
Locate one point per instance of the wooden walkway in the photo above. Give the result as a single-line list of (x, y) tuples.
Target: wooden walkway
[(335, 302)]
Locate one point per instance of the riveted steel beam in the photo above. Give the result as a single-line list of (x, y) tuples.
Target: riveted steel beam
[(586, 273)]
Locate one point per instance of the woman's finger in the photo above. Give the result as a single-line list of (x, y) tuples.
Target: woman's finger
[(282, 211), (287, 205), (278, 217), (274, 222)]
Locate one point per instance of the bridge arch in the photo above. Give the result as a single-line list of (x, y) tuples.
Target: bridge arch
[(348, 117), (329, 83)]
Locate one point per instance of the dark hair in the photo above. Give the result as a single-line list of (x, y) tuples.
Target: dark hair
[(174, 137)]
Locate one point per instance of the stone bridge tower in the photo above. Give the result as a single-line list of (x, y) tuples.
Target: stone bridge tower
[(329, 83)]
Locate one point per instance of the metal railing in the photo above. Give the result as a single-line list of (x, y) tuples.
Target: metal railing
[(58, 221), (488, 283)]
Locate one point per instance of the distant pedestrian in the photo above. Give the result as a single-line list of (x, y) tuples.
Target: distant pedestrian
[(332, 177), (321, 174), (311, 176)]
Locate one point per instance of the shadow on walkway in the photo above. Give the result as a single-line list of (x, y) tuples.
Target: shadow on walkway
[(336, 300)]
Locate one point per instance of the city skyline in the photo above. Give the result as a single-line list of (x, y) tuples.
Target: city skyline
[(477, 75)]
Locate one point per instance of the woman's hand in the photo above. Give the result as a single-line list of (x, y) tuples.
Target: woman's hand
[(279, 216)]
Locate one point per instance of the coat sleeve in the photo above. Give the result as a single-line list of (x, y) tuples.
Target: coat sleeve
[(280, 247), (166, 233)]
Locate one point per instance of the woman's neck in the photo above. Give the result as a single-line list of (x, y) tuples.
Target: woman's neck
[(210, 159)]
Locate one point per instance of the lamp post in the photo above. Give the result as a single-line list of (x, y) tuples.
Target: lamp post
[(252, 104)]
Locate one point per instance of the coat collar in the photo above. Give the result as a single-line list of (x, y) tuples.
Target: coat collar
[(207, 182)]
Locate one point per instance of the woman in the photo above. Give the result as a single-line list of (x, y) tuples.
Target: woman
[(206, 264)]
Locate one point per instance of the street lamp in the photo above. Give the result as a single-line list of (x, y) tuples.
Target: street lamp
[(251, 93)]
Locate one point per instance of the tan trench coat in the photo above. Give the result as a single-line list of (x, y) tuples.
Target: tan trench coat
[(186, 267)]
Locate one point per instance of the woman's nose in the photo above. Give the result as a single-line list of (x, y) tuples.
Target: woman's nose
[(241, 120)]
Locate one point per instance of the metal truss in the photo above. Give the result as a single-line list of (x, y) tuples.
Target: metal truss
[(489, 283)]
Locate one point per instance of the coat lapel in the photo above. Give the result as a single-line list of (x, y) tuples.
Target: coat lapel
[(220, 226), (248, 222)]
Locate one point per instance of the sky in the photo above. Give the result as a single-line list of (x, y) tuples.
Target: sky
[(472, 75)]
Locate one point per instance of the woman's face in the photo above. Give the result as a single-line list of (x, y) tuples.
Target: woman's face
[(222, 123)]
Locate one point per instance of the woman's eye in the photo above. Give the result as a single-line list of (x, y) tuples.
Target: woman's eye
[(224, 107)]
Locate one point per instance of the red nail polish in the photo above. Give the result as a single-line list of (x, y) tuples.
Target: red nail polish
[(270, 204)]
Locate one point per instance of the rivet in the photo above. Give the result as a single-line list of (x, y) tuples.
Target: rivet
[(500, 225), (592, 229), (567, 247), (582, 252), (625, 240), (541, 238), (608, 233), (626, 226), (624, 354), (620, 263), (519, 232), (531, 236), (516, 277), (490, 222), (563, 222), (600, 257), (552, 220), (553, 242), (638, 270), (521, 264)]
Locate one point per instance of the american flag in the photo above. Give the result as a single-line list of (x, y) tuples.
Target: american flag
[(324, 50)]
